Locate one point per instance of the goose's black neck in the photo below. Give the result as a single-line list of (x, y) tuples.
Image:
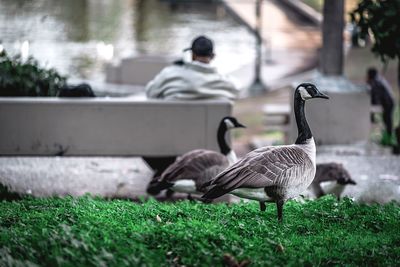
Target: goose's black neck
[(223, 145), (303, 129)]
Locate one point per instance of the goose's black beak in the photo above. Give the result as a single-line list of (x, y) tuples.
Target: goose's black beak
[(352, 182), (321, 95), (239, 125)]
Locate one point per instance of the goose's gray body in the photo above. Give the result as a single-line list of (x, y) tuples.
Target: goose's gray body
[(268, 174), (190, 172), (331, 178)]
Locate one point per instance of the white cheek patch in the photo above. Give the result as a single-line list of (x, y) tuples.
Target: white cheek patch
[(304, 94), (229, 124)]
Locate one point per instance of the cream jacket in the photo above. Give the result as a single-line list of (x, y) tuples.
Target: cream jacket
[(192, 80)]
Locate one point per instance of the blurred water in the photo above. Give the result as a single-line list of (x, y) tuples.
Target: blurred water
[(74, 36)]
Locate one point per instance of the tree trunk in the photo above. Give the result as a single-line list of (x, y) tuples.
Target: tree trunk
[(332, 38)]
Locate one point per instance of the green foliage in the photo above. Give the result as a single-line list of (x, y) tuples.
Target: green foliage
[(381, 18), (316, 4), (94, 232), (18, 78)]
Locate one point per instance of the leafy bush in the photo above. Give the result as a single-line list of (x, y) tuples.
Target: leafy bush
[(18, 78), (381, 19), (95, 232)]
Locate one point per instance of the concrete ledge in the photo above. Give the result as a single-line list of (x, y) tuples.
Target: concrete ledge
[(108, 126), (136, 70)]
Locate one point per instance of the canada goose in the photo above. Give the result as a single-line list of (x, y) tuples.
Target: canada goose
[(274, 174), (330, 178), (194, 168)]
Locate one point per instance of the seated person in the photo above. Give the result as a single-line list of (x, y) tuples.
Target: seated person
[(192, 80)]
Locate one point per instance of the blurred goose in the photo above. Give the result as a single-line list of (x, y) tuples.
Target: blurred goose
[(274, 174), (330, 178), (193, 169)]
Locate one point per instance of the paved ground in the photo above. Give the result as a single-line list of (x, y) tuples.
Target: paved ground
[(60, 176), (376, 172)]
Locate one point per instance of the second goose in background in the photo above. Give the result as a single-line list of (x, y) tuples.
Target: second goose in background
[(330, 178), (193, 169)]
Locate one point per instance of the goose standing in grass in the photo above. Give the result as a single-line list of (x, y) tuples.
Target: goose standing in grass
[(330, 178), (274, 174), (193, 169)]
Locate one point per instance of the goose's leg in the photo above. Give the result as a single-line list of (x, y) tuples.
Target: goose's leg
[(169, 193), (189, 197), (206, 200), (317, 189), (262, 206), (279, 205)]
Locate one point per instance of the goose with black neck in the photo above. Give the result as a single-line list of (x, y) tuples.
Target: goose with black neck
[(274, 173), (192, 170)]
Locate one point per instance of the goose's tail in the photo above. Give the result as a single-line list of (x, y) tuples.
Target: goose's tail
[(214, 192)]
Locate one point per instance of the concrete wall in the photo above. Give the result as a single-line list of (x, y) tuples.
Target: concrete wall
[(136, 70), (101, 126)]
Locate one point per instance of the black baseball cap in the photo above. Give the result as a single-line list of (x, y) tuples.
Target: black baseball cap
[(202, 46)]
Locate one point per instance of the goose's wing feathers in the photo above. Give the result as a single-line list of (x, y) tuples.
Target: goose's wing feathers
[(193, 163), (269, 166), (206, 176)]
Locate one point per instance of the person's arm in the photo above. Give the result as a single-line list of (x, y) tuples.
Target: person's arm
[(151, 88), (228, 85), (154, 89)]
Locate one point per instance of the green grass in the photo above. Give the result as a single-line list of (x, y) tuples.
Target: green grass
[(95, 232)]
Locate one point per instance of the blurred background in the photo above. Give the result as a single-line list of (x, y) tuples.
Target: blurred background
[(276, 44), (79, 37)]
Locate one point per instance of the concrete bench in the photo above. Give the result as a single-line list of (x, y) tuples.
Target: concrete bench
[(136, 70), (108, 127), (276, 116)]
